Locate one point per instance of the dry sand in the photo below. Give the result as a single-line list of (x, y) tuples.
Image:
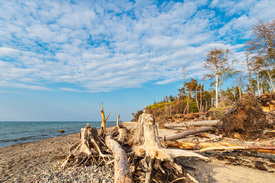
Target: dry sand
[(22, 162)]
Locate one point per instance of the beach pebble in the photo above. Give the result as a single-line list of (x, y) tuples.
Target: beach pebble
[(91, 174)]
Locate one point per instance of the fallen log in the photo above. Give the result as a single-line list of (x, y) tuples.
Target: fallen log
[(194, 123), (122, 172), (196, 145), (209, 146), (237, 147), (188, 132)]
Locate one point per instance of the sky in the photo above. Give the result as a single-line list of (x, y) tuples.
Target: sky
[(59, 60)]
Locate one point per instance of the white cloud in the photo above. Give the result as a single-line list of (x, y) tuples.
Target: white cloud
[(106, 46), (21, 85)]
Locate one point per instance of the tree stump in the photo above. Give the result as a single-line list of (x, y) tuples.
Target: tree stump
[(88, 150), (152, 152)]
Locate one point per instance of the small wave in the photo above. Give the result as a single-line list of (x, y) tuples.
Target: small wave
[(22, 139)]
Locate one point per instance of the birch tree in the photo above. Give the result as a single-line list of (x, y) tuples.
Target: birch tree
[(219, 63)]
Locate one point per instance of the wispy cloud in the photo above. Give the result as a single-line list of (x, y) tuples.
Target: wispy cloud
[(106, 46)]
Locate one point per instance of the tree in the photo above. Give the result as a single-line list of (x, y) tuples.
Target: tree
[(248, 64), (191, 87), (240, 81), (257, 64), (264, 39), (218, 61)]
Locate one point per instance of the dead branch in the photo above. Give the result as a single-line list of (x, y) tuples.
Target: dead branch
[(117, 121), (103, 122)]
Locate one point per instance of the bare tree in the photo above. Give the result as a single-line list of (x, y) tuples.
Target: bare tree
[(264, 39), (218, 61)]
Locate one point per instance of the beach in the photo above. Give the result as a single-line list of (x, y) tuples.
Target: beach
[(39, 161), (25, 162)]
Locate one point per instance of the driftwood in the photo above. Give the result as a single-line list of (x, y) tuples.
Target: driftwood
[(238, 147), (88, 150), (209, 146), (194, 123), (117, 121), (196, 145), (188, 132), (152, 152), (138, 137), (122, 172)]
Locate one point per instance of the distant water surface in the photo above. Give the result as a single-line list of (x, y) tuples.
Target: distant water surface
[(15, 132)]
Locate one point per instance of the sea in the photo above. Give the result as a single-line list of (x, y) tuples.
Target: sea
[(16, 132)]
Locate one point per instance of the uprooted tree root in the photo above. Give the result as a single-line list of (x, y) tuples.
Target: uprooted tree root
[(90, 149), (245, 120), (153, 162)]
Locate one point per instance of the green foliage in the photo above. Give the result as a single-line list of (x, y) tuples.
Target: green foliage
[(136, 115), (192, 105), (160, 105), (219, 109)]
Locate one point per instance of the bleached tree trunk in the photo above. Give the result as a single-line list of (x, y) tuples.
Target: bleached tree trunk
[(217, 88), (122, 172), (249, 71), (258, 84), (201, 106), (240, 79), (271, 81)]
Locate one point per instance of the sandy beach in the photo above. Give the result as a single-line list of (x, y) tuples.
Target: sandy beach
[(37, 162)]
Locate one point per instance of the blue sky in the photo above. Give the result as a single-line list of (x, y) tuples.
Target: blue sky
[(60, 59)]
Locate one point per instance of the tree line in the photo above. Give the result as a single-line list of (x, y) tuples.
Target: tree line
[(258, 79)]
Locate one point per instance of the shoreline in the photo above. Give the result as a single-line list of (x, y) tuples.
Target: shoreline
[(25, 161), (40, 133), (38, 161)]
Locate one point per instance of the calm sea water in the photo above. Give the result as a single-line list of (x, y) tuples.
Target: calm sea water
[(20, 132)]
